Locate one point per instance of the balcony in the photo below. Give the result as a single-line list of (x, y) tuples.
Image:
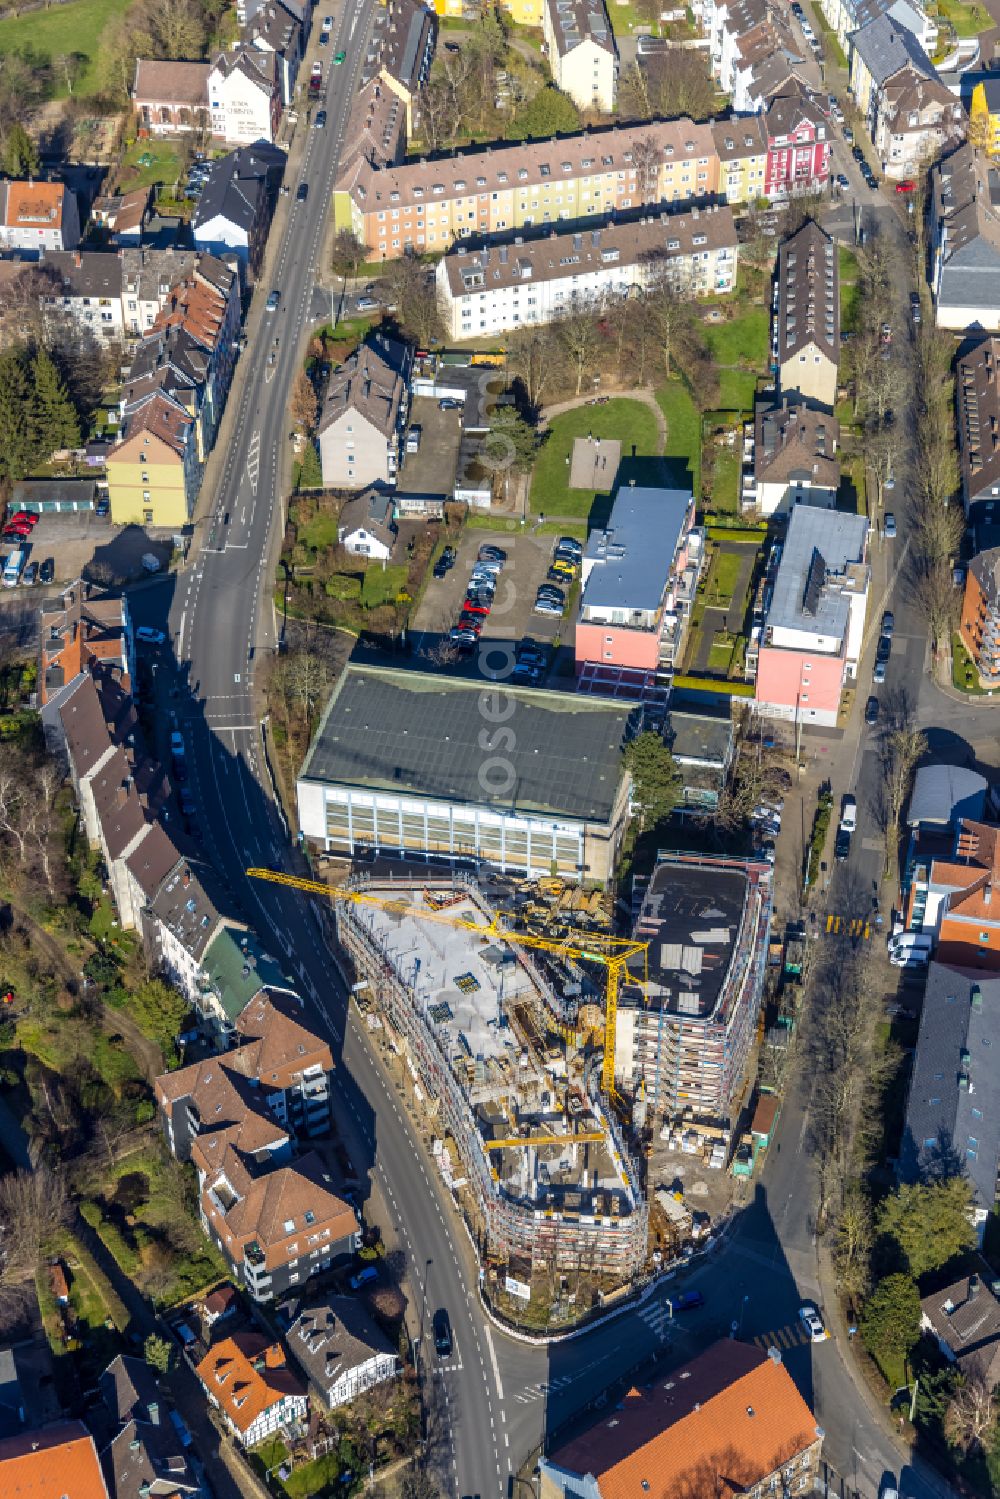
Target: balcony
[(254, 1257)]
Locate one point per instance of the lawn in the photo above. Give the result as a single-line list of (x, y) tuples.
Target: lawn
[(737, 389), (848, 290), (720, 655), (632, 423), (75, 27), (964, 675), (382, 585), (683, 433), (722, 579), (743, 341), (968, 20), (164, 166), (726, 481)]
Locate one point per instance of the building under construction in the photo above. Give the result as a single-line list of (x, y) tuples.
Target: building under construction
[(543, 1172)]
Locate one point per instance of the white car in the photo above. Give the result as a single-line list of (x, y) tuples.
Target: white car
[(149, 636), (813, 1322), (327, 23)]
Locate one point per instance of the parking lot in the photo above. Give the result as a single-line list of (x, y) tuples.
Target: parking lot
[(511, 618), (81, 543)]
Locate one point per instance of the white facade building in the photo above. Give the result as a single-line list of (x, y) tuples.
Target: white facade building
[(582, 52)]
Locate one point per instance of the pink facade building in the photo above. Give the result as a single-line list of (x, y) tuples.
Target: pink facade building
[(815, 617), (798, 146), (640, 575)]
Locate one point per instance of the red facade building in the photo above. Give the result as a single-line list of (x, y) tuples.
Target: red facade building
[(798, 146)]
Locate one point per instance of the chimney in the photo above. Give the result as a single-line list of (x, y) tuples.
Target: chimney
[(973, 1288), (186, 878), (987, 894)]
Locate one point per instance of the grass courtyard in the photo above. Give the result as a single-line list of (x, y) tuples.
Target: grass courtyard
[(630, 422), (146, 163), (72, 28), (743, 342), (683, 450)]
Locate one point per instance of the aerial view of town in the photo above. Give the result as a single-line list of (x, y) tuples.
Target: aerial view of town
[(500, 749)]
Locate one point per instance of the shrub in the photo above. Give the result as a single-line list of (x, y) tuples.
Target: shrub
[(346, 586)]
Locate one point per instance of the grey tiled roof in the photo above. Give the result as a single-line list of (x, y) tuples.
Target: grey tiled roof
[(884, 47)]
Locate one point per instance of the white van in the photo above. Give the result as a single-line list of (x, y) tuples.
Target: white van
[(14, 567), (849, 814), (910, 950)]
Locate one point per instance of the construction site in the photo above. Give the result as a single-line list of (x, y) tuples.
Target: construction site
[(503, 1033)]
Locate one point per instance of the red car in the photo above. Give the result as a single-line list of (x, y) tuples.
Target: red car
[(23, 518), (16, 533), (467, 621), (476, 606), (906, 187)]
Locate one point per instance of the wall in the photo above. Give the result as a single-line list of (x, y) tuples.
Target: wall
[(782, 683), (639, 648)]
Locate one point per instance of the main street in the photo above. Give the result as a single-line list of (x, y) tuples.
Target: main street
[(495, 1399)]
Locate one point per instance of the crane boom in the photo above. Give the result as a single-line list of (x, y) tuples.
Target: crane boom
[(613, 953), (518, 1142)]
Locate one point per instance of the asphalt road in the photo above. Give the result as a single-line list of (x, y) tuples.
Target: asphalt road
[(494, 1400)]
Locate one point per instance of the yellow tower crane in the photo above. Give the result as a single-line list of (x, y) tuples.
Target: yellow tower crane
[(612, 953)]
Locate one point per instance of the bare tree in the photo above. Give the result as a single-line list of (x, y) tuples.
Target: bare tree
[(530, 355), (346, 255), (578, 338), (972, 1414), (33, 1206), (902, 750), (853, 1242), (668, 311), (304, 403)]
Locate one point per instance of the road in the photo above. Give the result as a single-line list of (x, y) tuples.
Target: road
[(494, 1400)]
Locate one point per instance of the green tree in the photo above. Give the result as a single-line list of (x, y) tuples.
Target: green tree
[(159, 1010), (890, 1322), (54, 422), (158, 1353), (15, 409), (929, 1222), (20, 154), (510, 445), (548, 113), (657, 782)]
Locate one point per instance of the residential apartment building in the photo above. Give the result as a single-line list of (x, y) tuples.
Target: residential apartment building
[(639, 580), (806, 341), (234, 211), (522, 12), (686, 1036), (953, 1109), (401, 50), (144, 1457), (964, 1320), (814, 624), (984, 106), (536, 280), (244, 95), (580, 46), (559, 801), (425, 205), (53, 1462), (276, 30), (376, 127), (965, 241), (80, 628), (364, 413), (879, 51), (762, 59), (979, 624), (798, 145), (847, 16), (291, 1065), (733, 1410), (87, 292), (950, 894), (916, 120), (340, 1350), (790, 456), (269, 1210), (249, 1382), (170, 98), (742, 148), (36, 217)]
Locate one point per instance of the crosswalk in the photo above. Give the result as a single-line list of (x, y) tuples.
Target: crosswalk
[(792, 1335), (657, 1318), (849, 926)]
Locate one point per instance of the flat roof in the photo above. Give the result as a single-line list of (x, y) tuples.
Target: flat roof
[(430, 471), (422, 734), (834, 540), (629, 562), (700, 737), (692, 915)]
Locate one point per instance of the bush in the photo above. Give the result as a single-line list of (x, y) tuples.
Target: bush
[(820, 828), (346, 586)]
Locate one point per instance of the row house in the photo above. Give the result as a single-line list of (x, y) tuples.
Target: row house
[(235, 98), (879, 51), (81, 630), (580, 46), (524, 281), (401, 49), (170, 98), (798, 145), (424, 205), (273, 28), (763, 59), (965, 241), (248, 1380), (269, 1209), (984, 112), (741, 144), (951, 874), (977, 400), (364, 414), (174, 397), (639, 580), (113, 296), (813, 627), (376, 127), (917, 119), (234, 212), (36, 217)]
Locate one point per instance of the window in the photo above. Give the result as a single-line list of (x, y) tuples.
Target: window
[(930, 1143), (289, 1225)]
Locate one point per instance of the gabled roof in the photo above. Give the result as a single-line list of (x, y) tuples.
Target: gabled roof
[(329, 1337), (239, 187), (161, 418), (733, 1413), (247, 1375), (885, 47), (57, 1462), (794, 440), (275, 1042), (33, 205), (966, 1318), (371, 510), (180, 83), (257, 67), (146, 1460), (977, 397), (369, 384), (574, 22), (808, 310), (128, 1388)]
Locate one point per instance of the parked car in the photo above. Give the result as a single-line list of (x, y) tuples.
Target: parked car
[(490, 553), (440, 569), (857, 153), (889, 525), (177, 744), (534, 654), (525, 675), (363, 1278), (888, 623), (25, 517), (273, 298), (550, 591), (302, 193), (872, 710), (478, 603), (843, 182), (30, 574), (878, 675), (906, 187), (448, 556), (813, 1322), (102, 508), (442, 1333), (849, 813), (149, 636), (448, 403), (841, 845), (469, 621), (367, 304), (327, 23), (47, 571), (548, 606), (571, 545), (319, 123), (884, 648)]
